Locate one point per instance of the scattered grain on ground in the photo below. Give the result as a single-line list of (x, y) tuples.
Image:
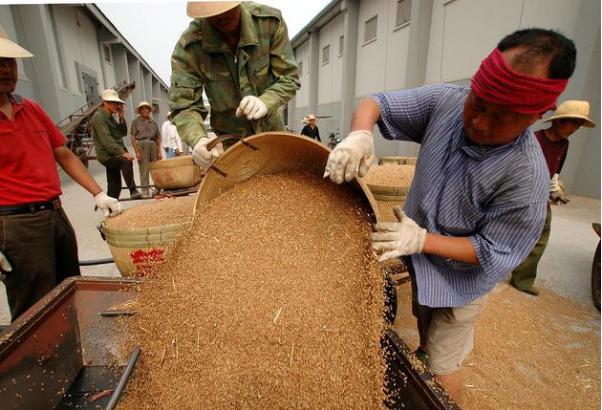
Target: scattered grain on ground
[(530, 352)]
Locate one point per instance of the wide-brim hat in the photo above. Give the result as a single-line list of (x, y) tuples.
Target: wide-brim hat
[(573, 109), (111, 96), (144, 104), (204, 9), (10, 49)]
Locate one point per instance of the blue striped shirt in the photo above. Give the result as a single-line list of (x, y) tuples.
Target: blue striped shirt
[(495, 196)]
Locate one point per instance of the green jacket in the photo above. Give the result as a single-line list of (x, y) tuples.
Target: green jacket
[(264, 67), (108, 136)]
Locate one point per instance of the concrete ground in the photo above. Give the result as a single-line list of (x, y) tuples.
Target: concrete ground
[(565, 267)]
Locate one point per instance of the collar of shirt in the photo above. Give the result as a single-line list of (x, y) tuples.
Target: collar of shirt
[(17, 103), (480, 152), (212, 40)]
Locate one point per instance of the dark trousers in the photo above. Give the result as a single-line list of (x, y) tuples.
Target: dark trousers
[(42, 250), (523, 276), (115, 168)]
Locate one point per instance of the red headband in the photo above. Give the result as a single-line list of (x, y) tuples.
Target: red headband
[(497, 83)]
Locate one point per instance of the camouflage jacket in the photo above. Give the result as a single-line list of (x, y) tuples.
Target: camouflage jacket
[(264, 67), (108, 135)]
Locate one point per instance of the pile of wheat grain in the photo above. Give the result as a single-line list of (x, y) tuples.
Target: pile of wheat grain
[(272, 300)]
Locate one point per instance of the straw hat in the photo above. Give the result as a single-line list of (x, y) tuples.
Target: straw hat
[(143, 104), (573, 109), (311, 117), (111, 95), (10, 49), (204, 9)]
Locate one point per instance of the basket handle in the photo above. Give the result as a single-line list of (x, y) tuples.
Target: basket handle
[(222, 138)]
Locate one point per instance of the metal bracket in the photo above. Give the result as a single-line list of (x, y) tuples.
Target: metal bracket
[(219, 171)]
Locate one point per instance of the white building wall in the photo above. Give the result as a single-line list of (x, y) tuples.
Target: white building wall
[(78, 35), (302, 56), (371, 56), (397, 50), (330, 74)]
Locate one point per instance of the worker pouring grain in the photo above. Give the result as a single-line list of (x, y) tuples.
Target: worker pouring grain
[(477, 204), (239, 54), (38, 248)]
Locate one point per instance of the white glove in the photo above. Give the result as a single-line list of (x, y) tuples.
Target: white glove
[(203, 157), (398, 238), (4, 264), (251, 107), (555, 184), (351, 157), (109, 206)]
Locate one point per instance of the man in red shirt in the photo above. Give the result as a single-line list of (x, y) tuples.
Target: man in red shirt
[(37, 243), (554, 142)]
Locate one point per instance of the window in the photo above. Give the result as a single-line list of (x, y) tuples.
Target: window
[(370, 27), (107, 52), (300, 65), (404, 10), (326, 55), (341, 45)]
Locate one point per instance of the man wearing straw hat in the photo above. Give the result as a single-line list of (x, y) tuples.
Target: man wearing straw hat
[(239, 55), (477, 203), (311, 129), (568, 118), (146, 141), (38, 248), (108, 141)]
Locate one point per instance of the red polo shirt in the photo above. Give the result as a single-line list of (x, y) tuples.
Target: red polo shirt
[(28, 170)]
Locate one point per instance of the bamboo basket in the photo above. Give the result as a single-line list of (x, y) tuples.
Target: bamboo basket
[(389, 196), (137, 251), (397, 160), (269, 153), (175, 173)]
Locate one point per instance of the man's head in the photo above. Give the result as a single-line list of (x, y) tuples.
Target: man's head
[(517, 84), (144, 109), (311, 119), (568, 118), (224, 16), (111, 101), (9, 52)]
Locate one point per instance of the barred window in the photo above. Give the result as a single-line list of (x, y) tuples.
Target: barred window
[(326, 54), (370, 27), (404, 10)]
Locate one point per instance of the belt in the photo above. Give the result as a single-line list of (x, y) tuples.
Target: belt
[(30, 208)]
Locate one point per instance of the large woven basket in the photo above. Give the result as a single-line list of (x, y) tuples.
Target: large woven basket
[(175, 173), (264, 154), (137, 251), (389, 196)]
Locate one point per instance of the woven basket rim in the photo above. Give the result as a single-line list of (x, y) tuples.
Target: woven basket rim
[(145, 231), (175, 162)]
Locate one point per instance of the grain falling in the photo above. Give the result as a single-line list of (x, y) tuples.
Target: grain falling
[(390, 175), (277, 303), (159, 212)]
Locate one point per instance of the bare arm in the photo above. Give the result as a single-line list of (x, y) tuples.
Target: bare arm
[(366, 115), (76, 170), (457, 248)]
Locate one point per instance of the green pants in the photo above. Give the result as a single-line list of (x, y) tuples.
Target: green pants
[(523, 277)]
